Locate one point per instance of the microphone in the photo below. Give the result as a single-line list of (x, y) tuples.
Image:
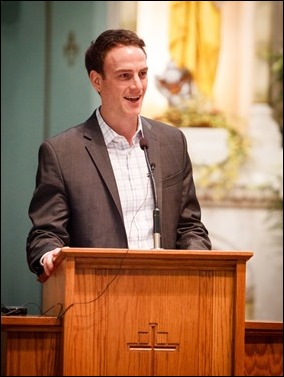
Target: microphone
[(156, 212)]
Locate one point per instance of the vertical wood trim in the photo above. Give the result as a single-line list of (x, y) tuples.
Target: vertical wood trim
[(239, 349)]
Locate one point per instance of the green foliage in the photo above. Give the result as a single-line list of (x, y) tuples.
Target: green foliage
[(277, 87)]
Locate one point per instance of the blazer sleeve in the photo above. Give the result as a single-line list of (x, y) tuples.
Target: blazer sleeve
[(48, 209)]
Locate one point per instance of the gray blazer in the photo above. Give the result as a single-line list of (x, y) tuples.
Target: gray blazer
[(76, 201)]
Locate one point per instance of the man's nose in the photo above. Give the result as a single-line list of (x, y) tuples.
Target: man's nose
[(137, 82)]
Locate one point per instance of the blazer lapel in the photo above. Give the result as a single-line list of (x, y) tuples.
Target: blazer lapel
[(97, 150)]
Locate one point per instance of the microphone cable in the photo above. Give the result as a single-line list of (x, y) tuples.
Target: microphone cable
[(156, 212)]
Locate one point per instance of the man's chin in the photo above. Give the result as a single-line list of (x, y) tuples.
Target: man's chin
[(135, 111)]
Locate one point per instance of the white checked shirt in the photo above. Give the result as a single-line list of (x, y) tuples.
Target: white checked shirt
[(134, 186)]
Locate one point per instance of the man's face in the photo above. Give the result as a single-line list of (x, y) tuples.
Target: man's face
[(125, 80)]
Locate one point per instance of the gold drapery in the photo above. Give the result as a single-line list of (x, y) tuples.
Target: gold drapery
[(194, 40)]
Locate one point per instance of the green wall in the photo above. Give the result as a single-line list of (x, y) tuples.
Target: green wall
[(41, 94)]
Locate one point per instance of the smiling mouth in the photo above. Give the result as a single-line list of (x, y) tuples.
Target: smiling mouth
[(133, 99)]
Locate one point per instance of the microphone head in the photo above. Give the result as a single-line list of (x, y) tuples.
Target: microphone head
[(144, 143)]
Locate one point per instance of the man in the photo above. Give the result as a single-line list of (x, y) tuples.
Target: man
[(93, 184)]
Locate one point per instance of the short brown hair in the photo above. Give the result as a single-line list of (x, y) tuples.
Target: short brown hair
[(96, 53)]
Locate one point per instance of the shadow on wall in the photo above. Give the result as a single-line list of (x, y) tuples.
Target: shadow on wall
[(10, 11)]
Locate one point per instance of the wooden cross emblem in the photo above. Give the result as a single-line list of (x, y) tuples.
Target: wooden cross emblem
[(153, 341)]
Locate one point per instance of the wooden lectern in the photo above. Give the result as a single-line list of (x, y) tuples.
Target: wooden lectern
[(149, 313)]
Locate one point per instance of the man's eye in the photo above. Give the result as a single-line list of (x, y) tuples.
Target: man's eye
[(143, 74), (125, 75)]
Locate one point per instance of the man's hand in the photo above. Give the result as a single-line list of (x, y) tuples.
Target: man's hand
[(48, 261)]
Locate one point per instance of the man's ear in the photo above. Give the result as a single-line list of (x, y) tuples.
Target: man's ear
[(95, 79)]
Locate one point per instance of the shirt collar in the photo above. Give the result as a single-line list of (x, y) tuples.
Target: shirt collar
[(109, 134)]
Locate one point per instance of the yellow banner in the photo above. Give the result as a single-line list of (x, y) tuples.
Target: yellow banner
[(194, 40)]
